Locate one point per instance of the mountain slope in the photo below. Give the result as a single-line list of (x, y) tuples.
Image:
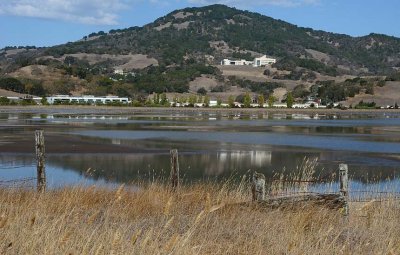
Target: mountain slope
[(181, 46), (190, 31)]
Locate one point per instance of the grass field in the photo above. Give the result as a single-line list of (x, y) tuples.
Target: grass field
[(151, 219)]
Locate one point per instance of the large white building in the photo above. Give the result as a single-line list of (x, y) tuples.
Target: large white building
[(257, 62), (263, 61), (86, 99), (242, 62)]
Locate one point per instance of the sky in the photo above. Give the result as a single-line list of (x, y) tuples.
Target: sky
[(52, 22)]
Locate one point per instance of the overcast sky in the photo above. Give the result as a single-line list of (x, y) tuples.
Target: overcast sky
[(51, 22)]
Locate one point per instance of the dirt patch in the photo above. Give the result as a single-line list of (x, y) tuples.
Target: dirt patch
[(320, 56), (221, 46), (246, 72), (14, 52), (7, 93), (182, 15), (183, 25), (48, 76), (383, 96), (131, 61), (202, 82), (161, 27), (280, 93)]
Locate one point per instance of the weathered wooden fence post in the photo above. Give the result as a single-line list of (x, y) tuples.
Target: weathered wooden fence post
[(40, 155), (174, 175), (344, 186), (258, 187)]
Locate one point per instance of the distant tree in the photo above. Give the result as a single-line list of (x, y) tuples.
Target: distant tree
[(44, 101), (271, 100), (202, 91), (4, 101), (369, 89), (13, 84), (192, 100), (164, 100), (219, 101), (156, 98), (289, 100), (206, 101), (261, 101), (231, 101), (35, 88), (247, 100)]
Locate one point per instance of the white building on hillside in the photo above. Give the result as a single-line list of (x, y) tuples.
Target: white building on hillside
[(263, 61), (258, 62), (119, 71), (242, 62)]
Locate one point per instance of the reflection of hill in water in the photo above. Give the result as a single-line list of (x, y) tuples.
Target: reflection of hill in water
[(195, 166)]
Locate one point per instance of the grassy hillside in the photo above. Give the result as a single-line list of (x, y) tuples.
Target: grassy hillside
[(188, 33), (170, 53)]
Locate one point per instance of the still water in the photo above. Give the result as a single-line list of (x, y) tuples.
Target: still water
[(113, 149)]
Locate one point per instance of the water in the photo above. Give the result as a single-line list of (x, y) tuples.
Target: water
[(112, 149)]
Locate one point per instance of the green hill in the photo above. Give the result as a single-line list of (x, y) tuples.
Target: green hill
[(188, 43)]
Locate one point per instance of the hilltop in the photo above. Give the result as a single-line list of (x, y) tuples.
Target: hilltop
[(181, 52)]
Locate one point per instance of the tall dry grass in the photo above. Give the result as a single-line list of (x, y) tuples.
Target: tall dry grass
[(154, 220)]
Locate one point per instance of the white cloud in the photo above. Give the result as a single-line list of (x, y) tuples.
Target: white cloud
[(106, 12), (283, 3), (98, 12)]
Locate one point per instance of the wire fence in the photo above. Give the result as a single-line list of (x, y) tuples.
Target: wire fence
[(281, 187)]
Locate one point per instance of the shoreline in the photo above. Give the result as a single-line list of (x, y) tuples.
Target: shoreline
[(132, 110)]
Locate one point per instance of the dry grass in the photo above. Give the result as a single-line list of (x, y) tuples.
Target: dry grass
[(154, 220)]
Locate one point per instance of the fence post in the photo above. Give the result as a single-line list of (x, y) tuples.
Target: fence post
[(258, 187), (174, 175), (40, 155), (344, 186)]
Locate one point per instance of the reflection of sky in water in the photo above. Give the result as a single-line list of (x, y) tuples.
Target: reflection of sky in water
[(56, 176), (366, 143), (347, 143)]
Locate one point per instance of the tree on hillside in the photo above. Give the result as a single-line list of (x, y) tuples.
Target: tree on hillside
[(261, 101), (231, 101), (12, 84), (4, 101), (164, 100), (206, 101), (202, 91), (271, 100), (247, 100), (289, 100), (192, 100), (219, 101)]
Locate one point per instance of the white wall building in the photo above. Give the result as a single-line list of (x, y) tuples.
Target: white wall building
[(213, 103), (263, 61), (87, 99), (119, 71), (242, 62), (258, 62)]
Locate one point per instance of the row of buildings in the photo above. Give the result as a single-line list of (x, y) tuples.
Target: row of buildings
[(60, 99), (257, 62), (107, 100)]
